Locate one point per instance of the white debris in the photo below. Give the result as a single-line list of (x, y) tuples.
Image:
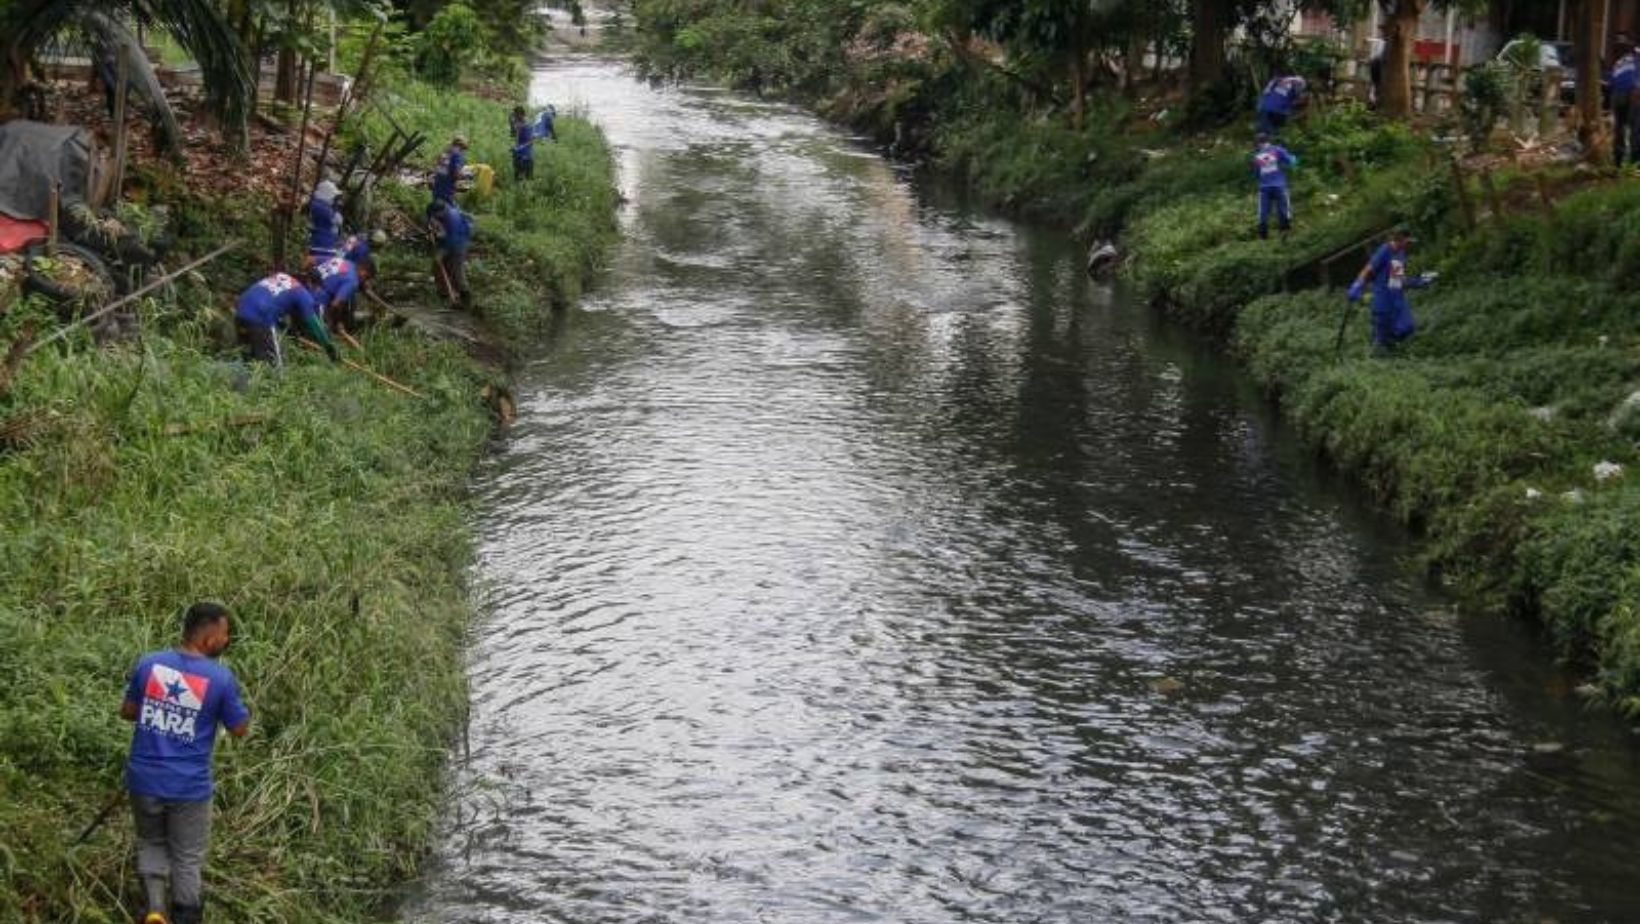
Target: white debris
[(1606, 471), (1624, 417), (1533, 494), (1543, 414), (1574, 496)]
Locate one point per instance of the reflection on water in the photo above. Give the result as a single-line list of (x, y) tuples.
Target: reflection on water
[(856, 559)]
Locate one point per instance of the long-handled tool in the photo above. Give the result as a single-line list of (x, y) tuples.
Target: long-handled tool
[(102, 816), (396, 386)]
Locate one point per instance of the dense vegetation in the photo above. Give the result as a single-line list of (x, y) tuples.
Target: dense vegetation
[(1483, 433), (326, 510)]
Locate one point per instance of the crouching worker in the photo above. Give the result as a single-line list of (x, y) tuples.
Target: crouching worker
[(336, 284), (1271, 162), (265, 305), (1387, 271), (452, 229), (177, 698)]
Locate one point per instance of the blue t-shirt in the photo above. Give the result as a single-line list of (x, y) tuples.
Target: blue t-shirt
[(1268, 163), (543, 124), (1389, 278), (457, 227), (524, 146), (180, 699), (268, 301), (1622, 76), (447, 172), (338, 279), (326, 229), (1281, 94)]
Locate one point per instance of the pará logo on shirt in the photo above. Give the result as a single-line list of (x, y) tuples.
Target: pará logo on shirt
[(171, 701)]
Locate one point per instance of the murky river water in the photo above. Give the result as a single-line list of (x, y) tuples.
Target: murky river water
[(856, 559)]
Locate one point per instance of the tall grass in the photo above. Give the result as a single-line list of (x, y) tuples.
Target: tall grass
[(327, 511), (544, 236)]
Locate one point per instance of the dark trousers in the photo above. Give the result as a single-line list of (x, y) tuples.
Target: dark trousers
[(1269, 123), (258, 342), (1622, 130), (171, 839), (1274, 199), (523, 168), (451, 270)]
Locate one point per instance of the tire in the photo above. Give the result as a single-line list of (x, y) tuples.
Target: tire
[(67, 298)]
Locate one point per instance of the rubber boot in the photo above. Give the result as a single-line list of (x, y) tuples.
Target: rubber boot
[(187, 914)]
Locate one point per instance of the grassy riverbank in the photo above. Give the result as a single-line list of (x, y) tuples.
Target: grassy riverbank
[(1482, 434), (326, 510)]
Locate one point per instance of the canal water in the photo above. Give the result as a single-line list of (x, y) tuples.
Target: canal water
[(856, 559)]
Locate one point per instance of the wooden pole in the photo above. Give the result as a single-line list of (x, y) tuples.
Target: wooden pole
[(396, 386), (1466, 205), (122, 82), (348, 97), (53, 203), (296, 171)]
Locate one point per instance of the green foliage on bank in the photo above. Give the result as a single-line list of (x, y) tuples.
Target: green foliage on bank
[(326, 510), (1486, 428), (547, 234)]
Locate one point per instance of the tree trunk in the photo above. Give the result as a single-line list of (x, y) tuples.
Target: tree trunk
[(1210, 25), (1591, 123), (1079, 88), (1401, 28), (284, 77)]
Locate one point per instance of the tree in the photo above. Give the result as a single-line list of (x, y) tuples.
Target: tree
[(197, 25), (1591, 125)]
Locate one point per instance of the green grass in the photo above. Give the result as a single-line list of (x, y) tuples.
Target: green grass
[(156, 473), (1477, 431), (550, 232)]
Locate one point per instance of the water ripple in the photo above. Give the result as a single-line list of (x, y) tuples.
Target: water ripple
[(855, 560)]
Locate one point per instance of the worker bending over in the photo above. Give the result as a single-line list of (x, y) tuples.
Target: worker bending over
[(270, 302)]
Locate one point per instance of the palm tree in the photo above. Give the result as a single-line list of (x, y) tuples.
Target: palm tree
[(197, 25)]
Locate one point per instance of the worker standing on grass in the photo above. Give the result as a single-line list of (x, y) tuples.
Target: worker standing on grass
[(1625, 131), (177, 698), (1281, 97), (451, 229), (335, 284), (523, 152), (325, 215), (1387, 270), (544, 124), (1270, 164), (267, 303), (448, 171)]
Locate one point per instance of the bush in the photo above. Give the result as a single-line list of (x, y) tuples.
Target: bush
[(449, 44)]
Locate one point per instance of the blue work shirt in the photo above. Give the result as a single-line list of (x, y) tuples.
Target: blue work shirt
[(1390, 281), (268, 301), (1622, 76), (1281, 94), (180, 699), (524, 146), (326, 227), (543, 124), (456, 228), (1268, 163), (338, 279), (447, 172)]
